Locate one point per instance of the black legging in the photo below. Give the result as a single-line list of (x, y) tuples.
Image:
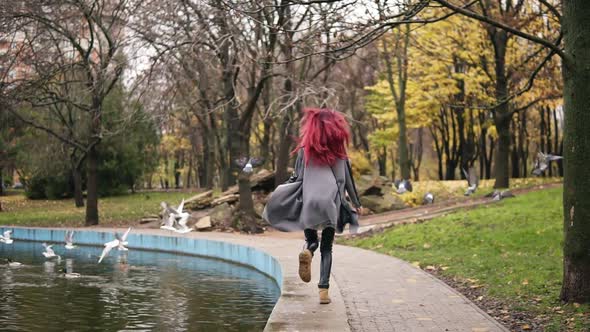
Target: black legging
[(311, 238)]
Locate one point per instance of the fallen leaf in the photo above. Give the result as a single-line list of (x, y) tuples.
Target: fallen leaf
[(525, 282), (427, 246), (416, 264), (526, 327)]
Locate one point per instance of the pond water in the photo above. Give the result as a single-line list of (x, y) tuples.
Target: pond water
[(129, 291)]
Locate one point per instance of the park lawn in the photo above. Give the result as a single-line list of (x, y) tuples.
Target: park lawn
[(113, 211), (513, 249)]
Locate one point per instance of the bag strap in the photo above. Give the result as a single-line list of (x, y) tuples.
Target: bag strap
[(336, 181)]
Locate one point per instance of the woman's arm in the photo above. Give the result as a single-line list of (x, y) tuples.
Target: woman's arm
[(351, 187)]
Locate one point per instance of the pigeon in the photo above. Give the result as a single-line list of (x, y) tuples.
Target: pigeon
[(472, 181), (248, 164), (542, 162), (5, 238), (428, 198), (119, 242), (69, 239), (49, 253), (497, 195), (402, 186), (12, 263)]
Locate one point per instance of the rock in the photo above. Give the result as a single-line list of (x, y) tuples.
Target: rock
[(148, 220), (204, 223), (387, 202), (221, 215), (368, 185)]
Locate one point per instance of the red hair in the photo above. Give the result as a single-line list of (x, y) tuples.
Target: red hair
[(323, 136)]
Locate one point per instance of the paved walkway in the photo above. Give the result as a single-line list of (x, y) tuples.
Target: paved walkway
[(370, 292)]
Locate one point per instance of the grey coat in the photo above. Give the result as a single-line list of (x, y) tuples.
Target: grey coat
[(323, 191), (311, 199)]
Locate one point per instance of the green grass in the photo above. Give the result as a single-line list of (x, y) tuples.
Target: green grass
[(113, 211), (513, 249)]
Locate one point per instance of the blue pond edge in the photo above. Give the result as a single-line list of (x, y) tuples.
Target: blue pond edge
[(231, 252)]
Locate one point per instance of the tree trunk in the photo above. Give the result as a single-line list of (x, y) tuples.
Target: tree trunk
[(439, 155), (576, 198), (502, 153), (382, 162), (499, 39), (556, 148), (246, 204), (451, 166), (514, 164), (284, 149), (1, 184), (549, 141), (92, 187), (78, 194)]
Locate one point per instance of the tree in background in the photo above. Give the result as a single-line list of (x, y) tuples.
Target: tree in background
[(70, 55)]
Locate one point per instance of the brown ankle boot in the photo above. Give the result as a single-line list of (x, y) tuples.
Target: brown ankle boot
[(324, 297), (305, 265)]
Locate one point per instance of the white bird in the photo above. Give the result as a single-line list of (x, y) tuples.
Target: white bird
[(171, 219), (119, 242), (49, 253), (69, 240), (123, 239), (12, 263), (472, 181), (402, 186), (176, 217), (5, 238)]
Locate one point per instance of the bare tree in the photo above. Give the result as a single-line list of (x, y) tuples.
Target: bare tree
[(68, 54)]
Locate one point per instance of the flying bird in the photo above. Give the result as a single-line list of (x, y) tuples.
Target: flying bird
[(49, 253), (542, 162), (119, 242), (472, 181), (170, 222), (402, 186), (5, 238), (248, 164), (69, 239), (428, 198), (176, 217)]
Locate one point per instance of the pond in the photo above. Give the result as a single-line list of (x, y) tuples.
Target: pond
[(129, 291)]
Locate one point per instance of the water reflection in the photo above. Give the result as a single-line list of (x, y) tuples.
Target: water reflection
[(134, 290)]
